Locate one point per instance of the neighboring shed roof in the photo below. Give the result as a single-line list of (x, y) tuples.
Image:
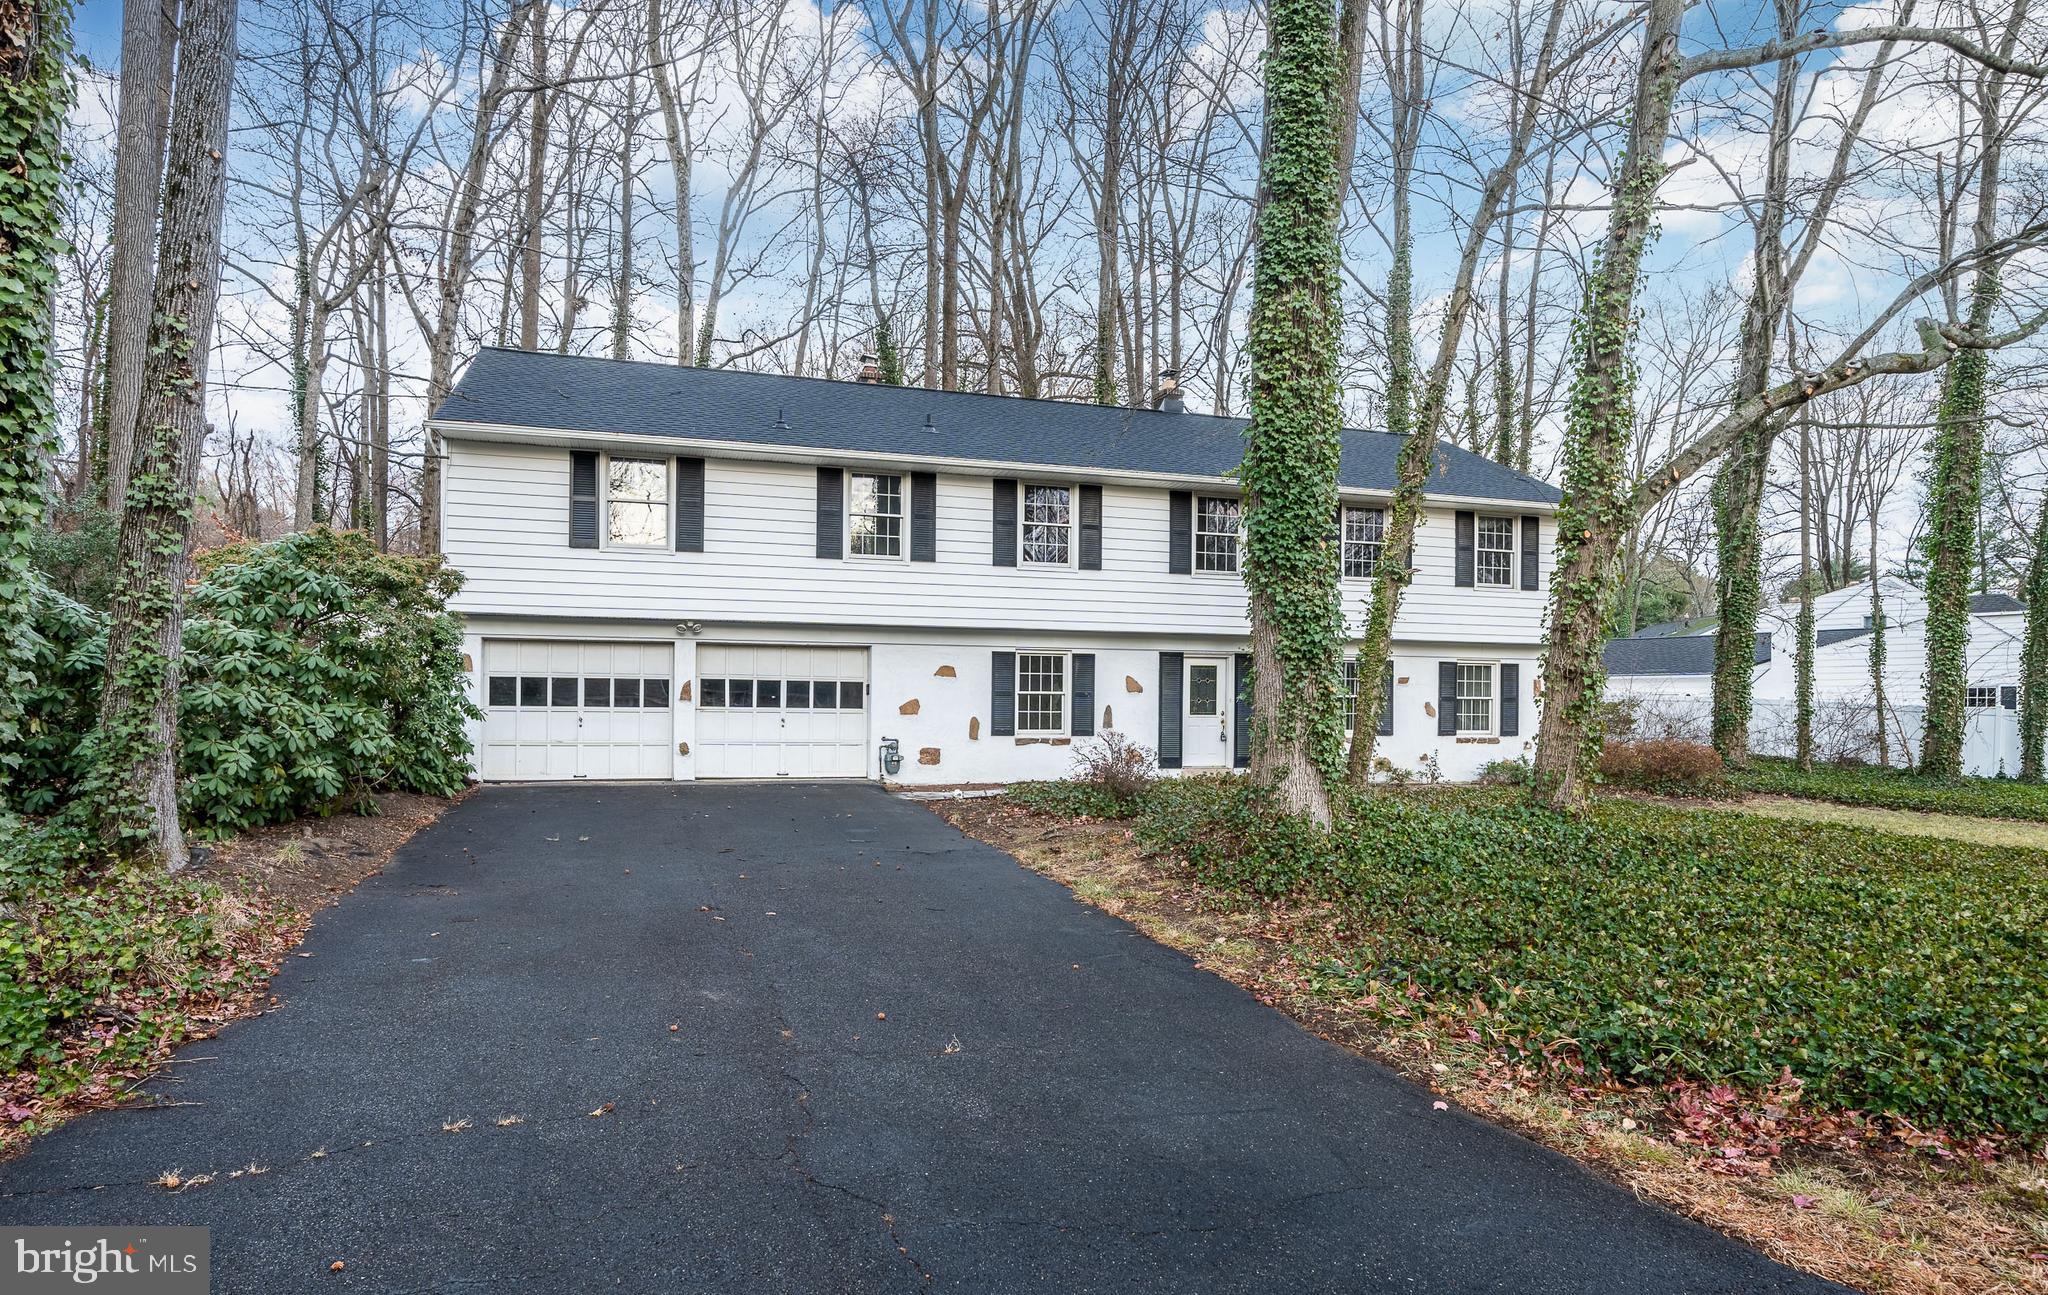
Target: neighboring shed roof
[(1675, 629), (1994, 604), (529, 389), (1671, 654), (1822, 638)]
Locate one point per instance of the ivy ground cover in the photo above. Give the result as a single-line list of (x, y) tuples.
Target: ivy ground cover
[(1905, 978), (1883, 788)]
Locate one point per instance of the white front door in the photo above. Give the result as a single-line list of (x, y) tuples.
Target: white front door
[(562, 711), (781, 712), (1205, 725)]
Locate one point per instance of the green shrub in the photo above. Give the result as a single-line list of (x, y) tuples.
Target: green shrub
[(1667, 943), (1882, 788), (1664, 764), (105, 958), (1070, 799), (314, 666)]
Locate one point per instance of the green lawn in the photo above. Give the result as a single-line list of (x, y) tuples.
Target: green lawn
[(1895, 974), (1894, 789)]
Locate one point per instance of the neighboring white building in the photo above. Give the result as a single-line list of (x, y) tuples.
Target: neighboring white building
[(681, 573), (1665, 673)]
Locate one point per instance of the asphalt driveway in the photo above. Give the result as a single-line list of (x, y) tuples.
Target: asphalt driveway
[(1053, 1102)]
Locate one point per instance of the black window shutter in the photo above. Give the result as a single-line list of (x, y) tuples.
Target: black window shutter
[(583, 499), (924, 517), (1510, 699), (689, 505), (1180, 532), (1468, 538), (831, 513), (1447, 696), (1387, 701), (1091, 528), (2009, 697), (1170, 664), (1241, 717), (1002, 706), (1082, 722), (1003, 539), (1532, 546)]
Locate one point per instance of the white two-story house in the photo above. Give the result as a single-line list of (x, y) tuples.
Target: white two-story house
[(680, 573)]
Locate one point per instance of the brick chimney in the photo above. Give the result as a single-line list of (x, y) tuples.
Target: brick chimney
[(870, 368), (1167, 399)]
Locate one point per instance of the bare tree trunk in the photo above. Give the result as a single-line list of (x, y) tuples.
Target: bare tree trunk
[(536, 182), (1877, 645), (135, 745), (675, 132), (1802, 687), (305, 501), (622, 291), (149, 34)]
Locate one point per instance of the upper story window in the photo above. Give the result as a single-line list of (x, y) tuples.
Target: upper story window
[(874, 515), (1216, 527), (1048, 526), (1496, 551), (636, 503), (1041, 694), (1475, 697), (1365, 537)]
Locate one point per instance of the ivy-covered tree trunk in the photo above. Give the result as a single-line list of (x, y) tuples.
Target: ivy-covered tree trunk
[(1290, 462), (2034, 655), (1953, 498), (35, 92), (1597, 508), (888, 359), (1802, 683), (134, 781), (1877, 650)]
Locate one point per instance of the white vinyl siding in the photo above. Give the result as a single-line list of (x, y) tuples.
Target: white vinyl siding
[(508, 513)]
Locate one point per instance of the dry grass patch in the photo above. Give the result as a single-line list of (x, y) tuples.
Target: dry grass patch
[(1890, 1220)]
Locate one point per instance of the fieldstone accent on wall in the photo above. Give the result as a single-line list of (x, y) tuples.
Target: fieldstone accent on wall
[(1108, 718), (1429, 709), (1402, 680), (945, 672), (928, 755), (683, 693), (908, 708), (682, 748), (974, 728), (1132, 685)]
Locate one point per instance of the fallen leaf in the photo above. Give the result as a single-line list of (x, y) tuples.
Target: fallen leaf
[(336, 1266), (881, 1016), (605, 1109), (1439, 1106), (1804, 1202)]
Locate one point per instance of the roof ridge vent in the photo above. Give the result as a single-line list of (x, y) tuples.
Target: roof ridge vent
[(781, 423)]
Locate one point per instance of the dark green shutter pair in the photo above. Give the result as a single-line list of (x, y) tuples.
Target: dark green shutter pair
[(1002, 708), (1003, 524), (924, 519), (1467, 542), (689, 527), (1510, 677)]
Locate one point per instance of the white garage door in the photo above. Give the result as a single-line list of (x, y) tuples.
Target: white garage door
[(577, 710), (782, 712)]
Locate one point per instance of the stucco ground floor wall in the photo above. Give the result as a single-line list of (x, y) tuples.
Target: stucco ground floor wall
[(932, 692)]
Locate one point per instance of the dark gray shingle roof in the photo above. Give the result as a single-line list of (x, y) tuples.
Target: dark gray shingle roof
[(1823, 638), (1674, 629), (1669, 654), (1994, 604), (627, 397)]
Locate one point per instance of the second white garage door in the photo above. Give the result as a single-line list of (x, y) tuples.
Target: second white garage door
[(782, 712)]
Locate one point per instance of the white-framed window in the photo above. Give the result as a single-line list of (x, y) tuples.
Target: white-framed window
[(1476, 708), (1217, 521), (1981, 696), (1349, 681), (1495, 554), (1046, 537), (635, 503), (1365, 537), (874, 514), (1041, 694)]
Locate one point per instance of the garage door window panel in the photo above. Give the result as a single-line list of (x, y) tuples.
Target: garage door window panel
[(739, 694), (714, 694), (797, 695), (654, 692), (768, 694), (504, 690), (533, 690), (849, 694), (625, 693)]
